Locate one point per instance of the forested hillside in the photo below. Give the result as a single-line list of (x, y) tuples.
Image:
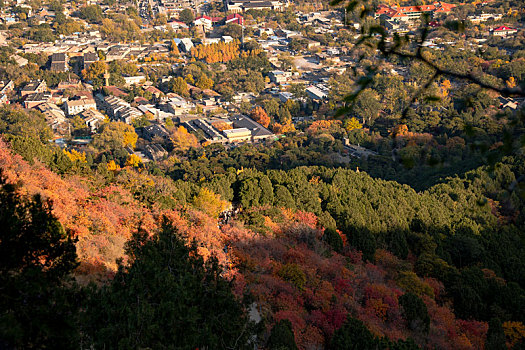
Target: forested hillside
[(312, 256)]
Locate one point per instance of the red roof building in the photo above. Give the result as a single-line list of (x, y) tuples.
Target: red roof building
[(234, 18), (503, 31), (410, 13)]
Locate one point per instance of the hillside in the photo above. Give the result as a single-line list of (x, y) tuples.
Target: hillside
[(283, 249)]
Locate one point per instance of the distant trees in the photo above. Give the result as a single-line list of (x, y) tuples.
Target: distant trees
[(91, 13), (259, 115), (353, 335), (115, 135), (41, 33), (352, 124), (179, 86), (216, 52), (367, 106), (186, 16), (182, 140), (209, 202), (234, 30), (204, 83), (95, 73)]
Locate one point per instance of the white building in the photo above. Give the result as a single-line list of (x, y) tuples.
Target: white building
[(74, 107)]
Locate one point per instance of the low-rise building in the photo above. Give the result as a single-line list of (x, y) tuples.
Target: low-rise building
[(153, 131), (134, 80), (279, 77), (178, 106), (6, 87), (317, 92), (33, 87), (88, 59), (55, 117), (238, 134), (186, 44), (117, 52), (59, 62), (155, 152), (36, 99), (93, 119), (503, 31), (258, 132), (74, 107)]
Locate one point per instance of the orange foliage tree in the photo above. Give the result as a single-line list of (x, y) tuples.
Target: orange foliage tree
[(182, 139), (259, 115), (216, 52)]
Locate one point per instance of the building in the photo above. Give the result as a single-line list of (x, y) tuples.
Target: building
[(508, 103), (485, 17), (55, 117), (155, 152), (33, 87), (117, 52), (176, 25), (503, 31), (237, 6), (317, 92), (74, 107), (59, 62), (258, 132), (285, 96), (33, 100), (88, 59), (238, 134), (312, 44), (205, 129), (153, 131), (413, 13), (93, 119), (6, 87), (4, 99), (137, 79), (206, 22), (279, 77), (186, 44), (234, 18), (19, 60), (178, 106), (111, 104)]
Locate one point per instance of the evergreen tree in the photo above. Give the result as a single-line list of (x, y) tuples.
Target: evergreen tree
[(353, 335), (495, 336), (266, 190), (37, 305), (166, 296), (282, 337), (415, 312)]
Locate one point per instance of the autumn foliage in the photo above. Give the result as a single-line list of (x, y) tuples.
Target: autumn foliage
[(216, 52), (289, 270), (259, 115)]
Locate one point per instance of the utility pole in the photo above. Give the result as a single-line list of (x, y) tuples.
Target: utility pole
[(242, 35)]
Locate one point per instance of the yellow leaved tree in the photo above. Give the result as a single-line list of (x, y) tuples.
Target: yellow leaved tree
[(182, 139), (352, 124), (511, 83), (133, 161), (76, 156), (210, 203), (112, 166)]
